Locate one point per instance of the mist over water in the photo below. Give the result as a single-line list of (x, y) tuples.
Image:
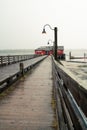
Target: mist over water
[(16, 52), (76, 52)]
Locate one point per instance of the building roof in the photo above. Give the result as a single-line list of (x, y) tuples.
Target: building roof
[(47, 48)]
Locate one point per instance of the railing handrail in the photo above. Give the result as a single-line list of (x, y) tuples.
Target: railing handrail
[(10, 59), (70, 98), (5, 83)]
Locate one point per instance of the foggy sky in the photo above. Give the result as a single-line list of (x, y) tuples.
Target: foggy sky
[(22, 21)]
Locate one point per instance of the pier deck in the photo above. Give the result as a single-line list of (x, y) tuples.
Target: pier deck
[(9, 70), (28, 106)]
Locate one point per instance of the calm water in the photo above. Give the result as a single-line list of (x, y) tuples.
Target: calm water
[(16, 52), (75, 52)]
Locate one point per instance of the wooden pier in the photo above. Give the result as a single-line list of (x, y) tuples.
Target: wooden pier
[(9, 70), (10, 59), (29, 105), (42, 98)]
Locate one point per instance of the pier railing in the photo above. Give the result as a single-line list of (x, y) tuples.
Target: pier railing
[(10, 59), (4, 84), (71, 100)]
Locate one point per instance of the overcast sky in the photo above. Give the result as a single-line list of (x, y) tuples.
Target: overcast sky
[(22, 21)]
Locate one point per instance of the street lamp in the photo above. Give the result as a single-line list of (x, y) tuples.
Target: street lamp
[(50, 47), (50, 41), (55, 38)]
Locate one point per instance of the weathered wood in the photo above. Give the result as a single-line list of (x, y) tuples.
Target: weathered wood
[(79, 93), (10, 59), (73, 100), (17, 73)]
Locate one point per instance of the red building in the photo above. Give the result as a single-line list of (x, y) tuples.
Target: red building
[(47, 50)]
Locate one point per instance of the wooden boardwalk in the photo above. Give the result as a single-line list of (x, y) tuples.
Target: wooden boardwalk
[(29, 105), (9, 70)]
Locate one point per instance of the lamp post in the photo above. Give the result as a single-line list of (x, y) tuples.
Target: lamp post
[(50, 47), (55, 38), (50, 41)]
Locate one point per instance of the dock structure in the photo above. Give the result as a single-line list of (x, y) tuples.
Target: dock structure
[(41, 95), (12, 69), (28, 106)]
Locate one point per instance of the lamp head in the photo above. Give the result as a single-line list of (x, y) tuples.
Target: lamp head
[(43, 30), (48, 43)]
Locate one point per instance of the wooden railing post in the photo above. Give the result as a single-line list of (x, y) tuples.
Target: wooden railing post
[(1, 60), (22, 68)]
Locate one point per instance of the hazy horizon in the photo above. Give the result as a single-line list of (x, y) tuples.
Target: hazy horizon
[(22, 21)]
